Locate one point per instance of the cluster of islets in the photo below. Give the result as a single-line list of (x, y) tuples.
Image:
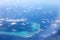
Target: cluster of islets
[(18, 27)]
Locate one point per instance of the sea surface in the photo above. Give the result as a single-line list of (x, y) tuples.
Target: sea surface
[(33, 21)]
